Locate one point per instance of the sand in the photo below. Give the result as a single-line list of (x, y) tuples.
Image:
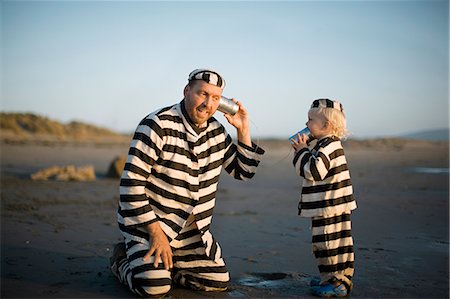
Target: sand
[(56, 237)]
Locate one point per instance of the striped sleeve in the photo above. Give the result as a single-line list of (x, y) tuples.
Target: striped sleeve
[(241, 160), (315, 167), (145, 148)]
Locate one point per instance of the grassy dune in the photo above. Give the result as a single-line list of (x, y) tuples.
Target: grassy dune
[(28, 127)]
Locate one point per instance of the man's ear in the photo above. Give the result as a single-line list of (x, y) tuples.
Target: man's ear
[(186, 90)]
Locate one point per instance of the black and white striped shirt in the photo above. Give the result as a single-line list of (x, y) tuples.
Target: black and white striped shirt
[(172, 171), (327, 187)]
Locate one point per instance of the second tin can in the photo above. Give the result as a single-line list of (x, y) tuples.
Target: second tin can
[(301, 132)]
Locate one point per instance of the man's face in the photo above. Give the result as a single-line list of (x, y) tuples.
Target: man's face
[(201, 101)]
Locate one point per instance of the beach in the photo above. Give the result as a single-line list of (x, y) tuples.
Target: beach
[(57, 236)]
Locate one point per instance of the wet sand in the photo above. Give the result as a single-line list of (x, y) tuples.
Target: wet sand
[(56, 237)]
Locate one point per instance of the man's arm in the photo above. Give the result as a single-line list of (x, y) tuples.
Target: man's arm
[(134, 207), (242, 159)]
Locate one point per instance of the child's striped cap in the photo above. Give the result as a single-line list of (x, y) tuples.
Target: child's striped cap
[(326, 103)]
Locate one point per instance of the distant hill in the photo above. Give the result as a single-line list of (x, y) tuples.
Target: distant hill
[(32, 127), (430, 135)]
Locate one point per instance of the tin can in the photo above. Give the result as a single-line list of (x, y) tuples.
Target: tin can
[(226, 105), (301, 132)]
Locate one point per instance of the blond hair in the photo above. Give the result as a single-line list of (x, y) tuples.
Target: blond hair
[(335, 117)]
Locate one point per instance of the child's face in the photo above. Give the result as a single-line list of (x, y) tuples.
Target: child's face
[(318, 125)]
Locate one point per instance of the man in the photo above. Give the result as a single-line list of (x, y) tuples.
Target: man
[(168, 191)]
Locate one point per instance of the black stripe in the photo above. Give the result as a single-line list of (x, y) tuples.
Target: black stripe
[(172, 118), (152, 125), (314, 171), (178, 166), (254, 148), (336, 170), (171, 224), (191, 257), (138, 254), (207, 183), (135, 212), (132, 229), (174, 182), (247, 161), (219, 81), (231, 166), (306, 157), (169, 195), (213, 251), (211, 166), (326, 187), (132, 183), (204, 282), (168, 210), (333, 252), (192, 246), (326, 203), (179, 150), (135, 169), (161, 111), (298, 154), (210, 135), (217, 269), (337, 267), (303, 163), (205, 77), (315, 104), (174, 133), (231, 149), (212, 150), (245, 174), (204, 214), (329, 103), (133, 197), (330, 220), (333, 236), (153, 282), (239, 173), (325, 142), (188, 234), (337, 153), (325, 160), (143, 156), (207, 198)]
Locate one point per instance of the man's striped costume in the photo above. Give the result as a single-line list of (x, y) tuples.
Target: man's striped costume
[(171, 174)]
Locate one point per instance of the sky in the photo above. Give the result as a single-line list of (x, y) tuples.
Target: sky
[(110, 63)]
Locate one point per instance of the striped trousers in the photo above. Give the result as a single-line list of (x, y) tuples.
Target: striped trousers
[(333, 248), (192, 267)]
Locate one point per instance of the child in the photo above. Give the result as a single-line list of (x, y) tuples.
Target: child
[(327, 197)]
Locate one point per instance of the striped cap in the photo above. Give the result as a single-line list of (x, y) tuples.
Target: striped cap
[(326, 103), (208, 76)]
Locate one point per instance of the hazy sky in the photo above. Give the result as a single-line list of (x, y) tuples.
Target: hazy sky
[(110, 63)]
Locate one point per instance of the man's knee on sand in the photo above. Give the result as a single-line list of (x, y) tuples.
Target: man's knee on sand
[(151, 287), (209, 282), (152, 282), (156, 287)]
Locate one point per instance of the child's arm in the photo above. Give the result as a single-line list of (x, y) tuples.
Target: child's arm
[(312, 167)]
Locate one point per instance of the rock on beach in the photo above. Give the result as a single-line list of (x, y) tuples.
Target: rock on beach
[(66, 173), (116, 167)]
